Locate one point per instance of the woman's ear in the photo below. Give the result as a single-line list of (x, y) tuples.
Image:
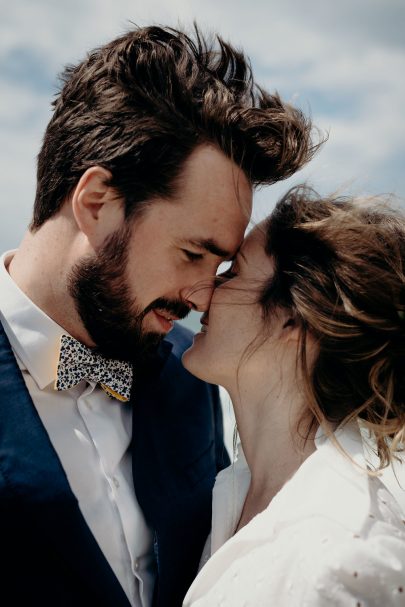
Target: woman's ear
[(95, 206), (290, 322), (290, 329)]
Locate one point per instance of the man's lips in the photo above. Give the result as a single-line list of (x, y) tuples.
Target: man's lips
[(166, 319)]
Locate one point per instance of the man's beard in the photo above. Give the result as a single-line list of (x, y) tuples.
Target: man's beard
[(99, 287)]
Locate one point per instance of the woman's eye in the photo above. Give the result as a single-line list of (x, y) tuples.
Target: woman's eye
[(191, 256), (227, 270), (229, 273)]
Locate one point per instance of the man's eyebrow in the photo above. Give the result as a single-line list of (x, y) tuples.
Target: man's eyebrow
[(211, 246)]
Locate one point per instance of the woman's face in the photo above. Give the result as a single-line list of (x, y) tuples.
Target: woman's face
[(235, 319)]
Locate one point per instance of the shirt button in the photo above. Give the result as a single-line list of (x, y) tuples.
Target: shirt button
[(136, 565), (116, 481)]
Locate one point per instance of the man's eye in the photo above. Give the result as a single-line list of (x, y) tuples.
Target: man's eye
[(192, 256)]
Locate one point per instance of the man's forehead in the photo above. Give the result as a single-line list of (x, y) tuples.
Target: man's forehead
[(214, 182)]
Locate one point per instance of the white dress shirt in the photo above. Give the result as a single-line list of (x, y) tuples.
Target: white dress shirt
[(332, 536), (91, 434)]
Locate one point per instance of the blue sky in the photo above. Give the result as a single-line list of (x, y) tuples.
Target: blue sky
[(342, 61)]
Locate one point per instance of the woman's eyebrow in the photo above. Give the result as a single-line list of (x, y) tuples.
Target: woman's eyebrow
[(242, 255)]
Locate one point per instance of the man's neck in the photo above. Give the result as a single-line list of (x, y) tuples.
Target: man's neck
[(40, 269)]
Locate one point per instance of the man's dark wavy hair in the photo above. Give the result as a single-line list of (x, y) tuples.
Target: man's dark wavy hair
[(139, 106)]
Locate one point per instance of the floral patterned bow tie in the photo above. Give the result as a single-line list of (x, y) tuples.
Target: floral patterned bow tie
[(77, 362)]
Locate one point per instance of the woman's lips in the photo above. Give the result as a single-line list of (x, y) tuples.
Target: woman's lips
[(204, 323)]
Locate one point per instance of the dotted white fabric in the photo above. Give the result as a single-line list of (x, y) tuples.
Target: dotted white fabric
[(333, 536)]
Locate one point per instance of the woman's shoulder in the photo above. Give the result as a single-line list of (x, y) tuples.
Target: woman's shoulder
[(346, 568), (337, 483), (313, 561), (322, 505), (329, 564)]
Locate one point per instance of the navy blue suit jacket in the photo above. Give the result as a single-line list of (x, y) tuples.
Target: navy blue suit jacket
[(49, 556)]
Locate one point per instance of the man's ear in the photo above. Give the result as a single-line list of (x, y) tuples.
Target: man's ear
[(95, 206)]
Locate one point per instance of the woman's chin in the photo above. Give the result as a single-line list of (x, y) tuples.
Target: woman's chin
[(195, 363)]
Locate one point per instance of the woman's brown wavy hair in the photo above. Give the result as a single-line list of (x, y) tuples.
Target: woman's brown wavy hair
[(339, 267)]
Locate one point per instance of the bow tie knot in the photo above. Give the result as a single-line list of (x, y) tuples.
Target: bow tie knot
[(77, 362)]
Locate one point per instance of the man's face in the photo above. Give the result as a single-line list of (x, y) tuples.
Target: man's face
[(162, 264)]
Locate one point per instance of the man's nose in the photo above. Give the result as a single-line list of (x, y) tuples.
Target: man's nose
[(198, 296)]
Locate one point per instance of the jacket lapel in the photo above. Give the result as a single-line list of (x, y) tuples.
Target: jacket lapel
[(40, 487)]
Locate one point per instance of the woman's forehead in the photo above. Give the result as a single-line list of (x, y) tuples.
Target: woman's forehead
[(256, 236)]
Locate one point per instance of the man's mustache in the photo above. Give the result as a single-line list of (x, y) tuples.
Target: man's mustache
[(174, 306)]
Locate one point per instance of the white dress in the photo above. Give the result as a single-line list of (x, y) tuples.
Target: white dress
[(333, 536)]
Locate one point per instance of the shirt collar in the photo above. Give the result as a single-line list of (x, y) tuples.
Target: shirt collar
[(33, 335), (347, 439)]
